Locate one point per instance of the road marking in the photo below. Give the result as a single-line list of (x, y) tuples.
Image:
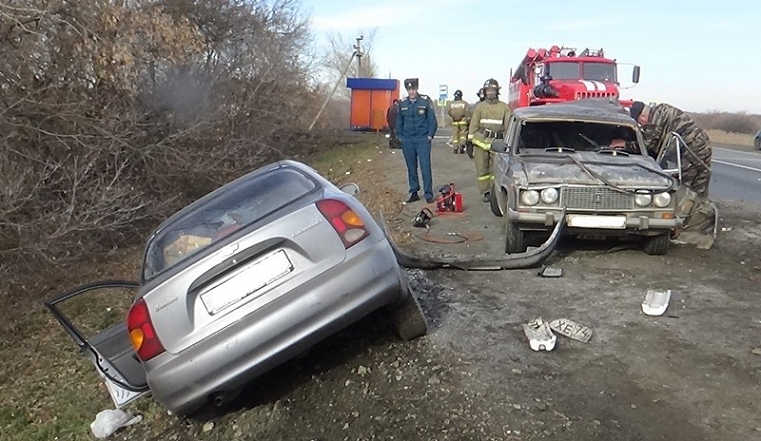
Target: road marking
[(754, 154), (737, 165)]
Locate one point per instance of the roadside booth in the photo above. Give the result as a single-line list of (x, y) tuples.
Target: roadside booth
[(370, 99)]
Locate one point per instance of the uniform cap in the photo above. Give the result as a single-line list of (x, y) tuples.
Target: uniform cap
[(636, 109), (411, 83)]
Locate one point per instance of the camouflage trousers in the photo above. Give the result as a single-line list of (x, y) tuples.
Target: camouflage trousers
[(696, 168)]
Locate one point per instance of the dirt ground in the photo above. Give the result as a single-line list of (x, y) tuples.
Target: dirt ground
[(692, 374)]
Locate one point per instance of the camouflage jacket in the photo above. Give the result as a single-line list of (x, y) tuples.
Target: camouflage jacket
[(665, 119)]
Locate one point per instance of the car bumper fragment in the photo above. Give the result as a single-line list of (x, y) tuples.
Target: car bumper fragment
[(529, 259)]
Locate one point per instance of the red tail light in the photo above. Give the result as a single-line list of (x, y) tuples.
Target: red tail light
[(347, 223), (141, 332)]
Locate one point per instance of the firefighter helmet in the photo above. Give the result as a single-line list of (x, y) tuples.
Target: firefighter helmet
[(491, 83), (458, 94)]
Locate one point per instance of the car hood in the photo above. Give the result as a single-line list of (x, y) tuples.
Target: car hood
[(560, 168)]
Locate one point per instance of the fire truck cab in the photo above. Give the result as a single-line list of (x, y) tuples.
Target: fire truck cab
[(560, 74)]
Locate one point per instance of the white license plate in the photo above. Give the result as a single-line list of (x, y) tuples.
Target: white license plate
[(587, 221), (255, 277)]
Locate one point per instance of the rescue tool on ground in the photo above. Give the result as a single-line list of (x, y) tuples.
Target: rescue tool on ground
[(449, 200), (560, 74)]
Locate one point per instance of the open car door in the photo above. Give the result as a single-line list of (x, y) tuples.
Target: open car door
[(95, 316)]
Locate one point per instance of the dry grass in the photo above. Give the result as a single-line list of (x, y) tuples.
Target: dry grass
[(722, 137)]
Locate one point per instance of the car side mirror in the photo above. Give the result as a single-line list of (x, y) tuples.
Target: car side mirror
[(499, 146), (635, 75), (351, 189)]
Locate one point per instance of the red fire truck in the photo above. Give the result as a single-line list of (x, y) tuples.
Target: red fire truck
[(560, 74)]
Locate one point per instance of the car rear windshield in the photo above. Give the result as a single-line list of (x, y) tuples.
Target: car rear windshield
[(216, 216)]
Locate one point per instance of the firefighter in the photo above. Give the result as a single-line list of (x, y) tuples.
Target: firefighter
[(415, 127), (545, 89), (487, 124), (658, 122), (458, 111)]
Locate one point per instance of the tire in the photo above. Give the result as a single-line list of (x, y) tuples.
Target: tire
[(493, 203), (409, 319), (658, 245), (514, 240)]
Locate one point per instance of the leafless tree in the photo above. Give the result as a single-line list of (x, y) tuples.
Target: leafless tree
[(114, 113)]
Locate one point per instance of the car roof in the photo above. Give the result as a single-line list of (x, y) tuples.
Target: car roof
[(594, 110)]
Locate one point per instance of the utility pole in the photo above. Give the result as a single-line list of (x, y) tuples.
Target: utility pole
[(358, 53)]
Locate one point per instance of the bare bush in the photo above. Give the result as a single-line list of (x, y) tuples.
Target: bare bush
[(113, 114), (729, 122)]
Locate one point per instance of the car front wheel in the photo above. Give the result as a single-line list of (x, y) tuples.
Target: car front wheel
[(494, 203), (514, 240), (658, 245)]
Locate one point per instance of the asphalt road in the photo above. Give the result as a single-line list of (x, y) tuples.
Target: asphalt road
[(736, 172), (736, 175)]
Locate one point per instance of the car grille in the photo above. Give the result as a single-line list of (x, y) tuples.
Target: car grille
[(583, 95), (595, 198)]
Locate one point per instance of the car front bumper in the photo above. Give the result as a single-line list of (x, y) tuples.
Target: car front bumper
[(638, 223), (222, 363)]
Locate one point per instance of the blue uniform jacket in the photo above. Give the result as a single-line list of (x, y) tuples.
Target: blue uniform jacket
[(417, 119)]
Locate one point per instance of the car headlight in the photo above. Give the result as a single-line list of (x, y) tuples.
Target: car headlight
[(549, 195), (643, 200), (662, 199), (530, 197)]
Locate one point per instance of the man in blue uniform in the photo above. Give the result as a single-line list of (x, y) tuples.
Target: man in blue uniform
[(415, 126)]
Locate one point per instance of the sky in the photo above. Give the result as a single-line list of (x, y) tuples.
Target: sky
[(699, 55)]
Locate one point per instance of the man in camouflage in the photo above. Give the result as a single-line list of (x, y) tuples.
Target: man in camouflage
[(488, 123), (658, 123), (458, 111)]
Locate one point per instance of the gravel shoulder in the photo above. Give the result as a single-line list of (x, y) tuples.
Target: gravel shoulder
[(691, 374)]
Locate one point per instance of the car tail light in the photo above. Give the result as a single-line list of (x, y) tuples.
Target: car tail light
[(347, 223), (142, 333)]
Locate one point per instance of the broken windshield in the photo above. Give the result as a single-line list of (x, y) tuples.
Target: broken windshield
[(540, 136)]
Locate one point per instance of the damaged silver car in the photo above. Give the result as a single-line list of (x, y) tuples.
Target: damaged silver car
[(236, 283), (584, 161)]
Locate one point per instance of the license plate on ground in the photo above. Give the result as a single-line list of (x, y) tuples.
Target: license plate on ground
[(255, 277), (588, 221)]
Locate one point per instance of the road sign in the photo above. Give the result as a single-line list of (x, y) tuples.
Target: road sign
[(443, 91)]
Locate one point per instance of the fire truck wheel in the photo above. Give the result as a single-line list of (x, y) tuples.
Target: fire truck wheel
[(493, 203)]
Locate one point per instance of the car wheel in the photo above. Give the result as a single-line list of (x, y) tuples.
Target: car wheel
[(493, 203), (409, 319), (514, 240), (658, 245)]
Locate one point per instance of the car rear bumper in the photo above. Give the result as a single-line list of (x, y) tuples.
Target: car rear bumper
[(637, 223), (277, 332)]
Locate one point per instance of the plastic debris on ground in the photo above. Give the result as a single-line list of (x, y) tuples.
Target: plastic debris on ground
[(539, 335), (551, 271), (110, 420), (571, 329), (656, 302)]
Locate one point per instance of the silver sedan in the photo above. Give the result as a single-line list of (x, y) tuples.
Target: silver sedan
[(240, 281)]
